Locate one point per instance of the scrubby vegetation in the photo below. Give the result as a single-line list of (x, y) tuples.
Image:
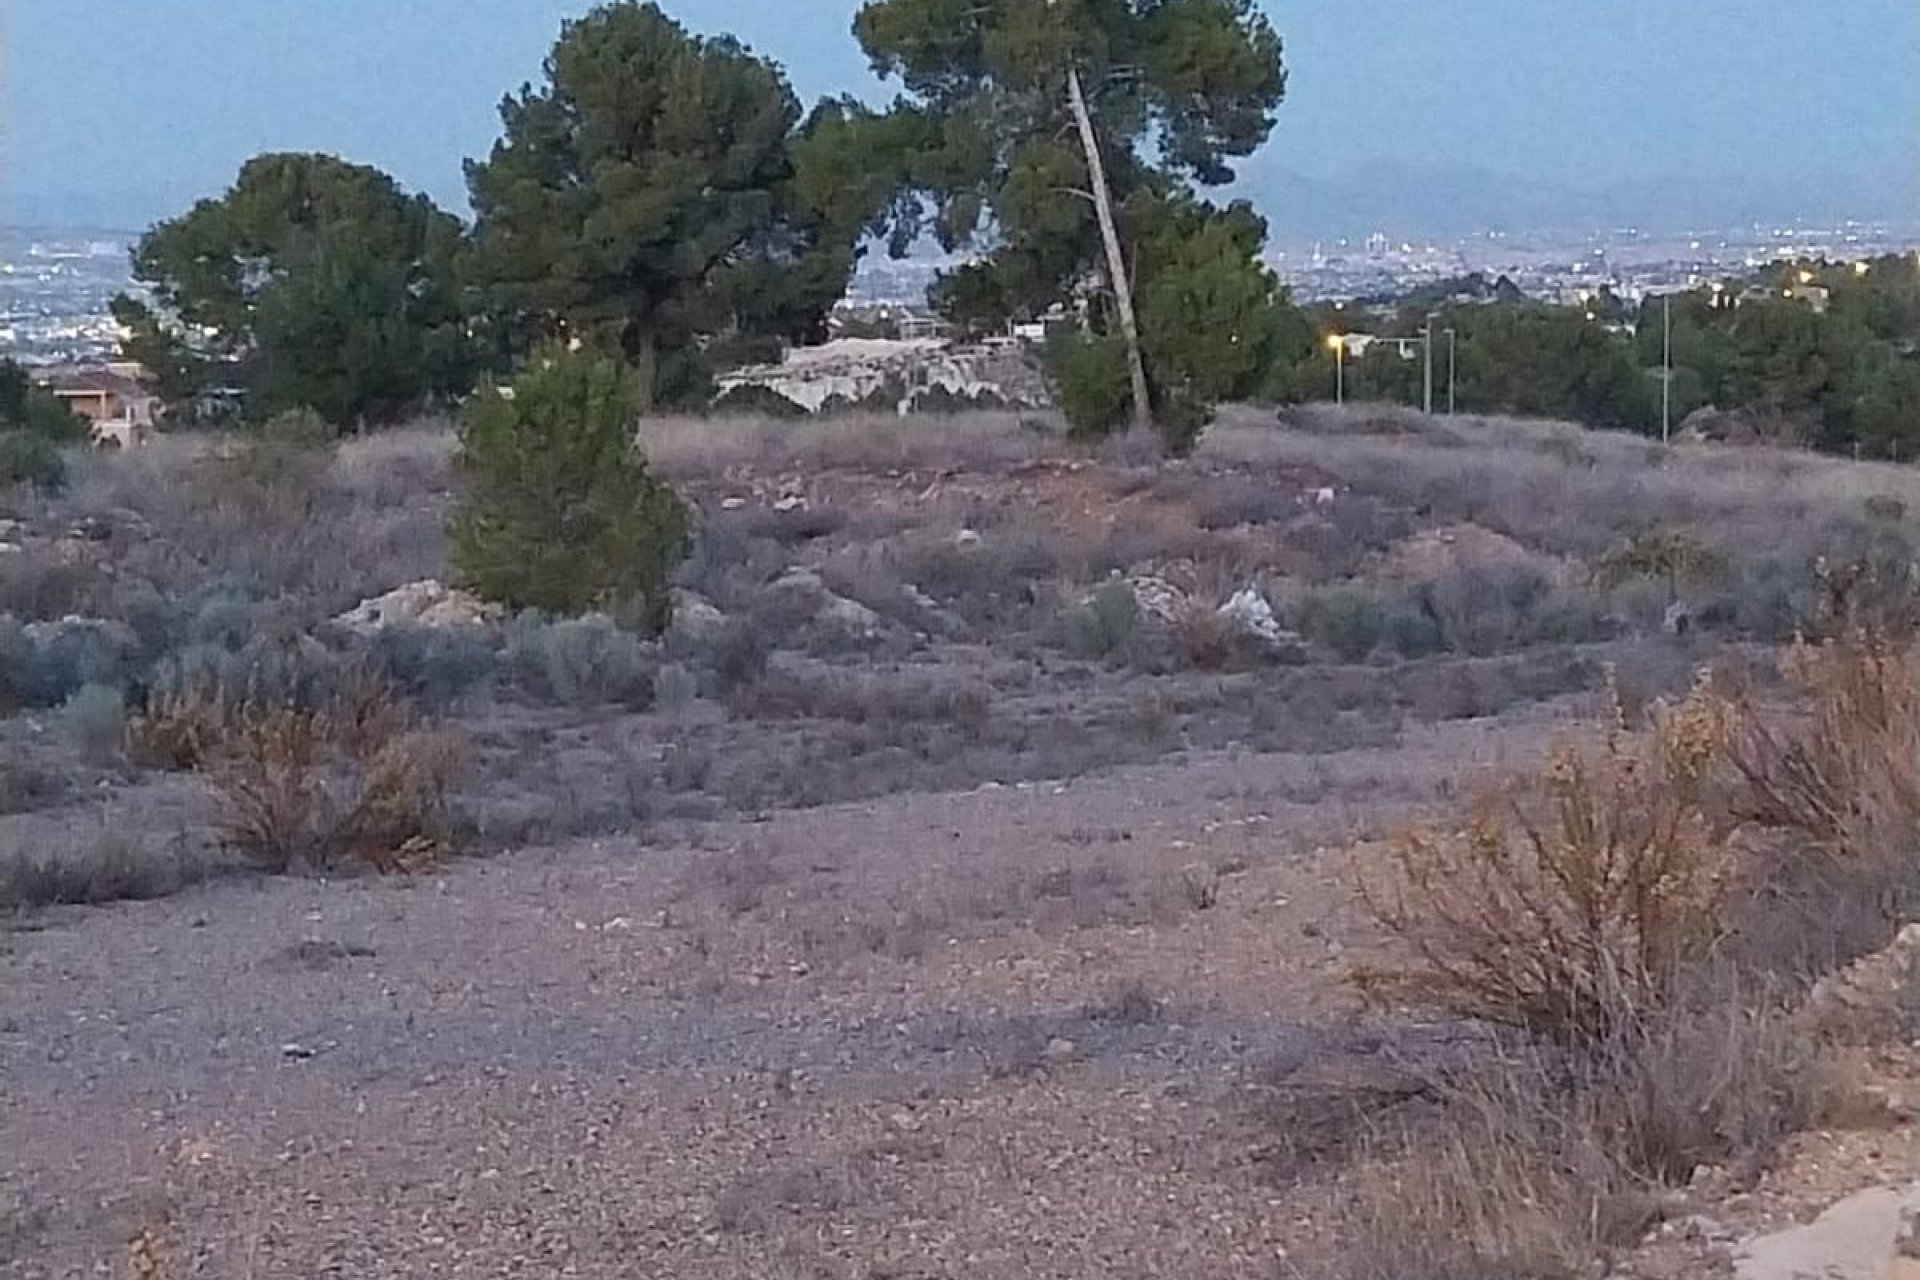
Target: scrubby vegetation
[(1641, 914), (867, 608)]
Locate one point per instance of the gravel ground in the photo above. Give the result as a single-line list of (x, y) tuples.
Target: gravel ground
[(1001, 1033)]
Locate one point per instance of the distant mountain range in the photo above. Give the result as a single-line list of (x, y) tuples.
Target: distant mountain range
[(1412, 200)]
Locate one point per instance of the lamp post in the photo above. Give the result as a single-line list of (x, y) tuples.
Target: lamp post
[(1338, 345), (1666, 370), (1427, 389)]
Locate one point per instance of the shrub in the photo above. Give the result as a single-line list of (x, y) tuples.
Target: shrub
[(1089, 376), (561, 513), (1104, 623), (1575, 909), (183, 710), (1488, 610), (1837, 776), (1533, 1166), (301, 788), (105, 868), (31, 460), (583, 661), (1850, 759), (1354, 621), (1668, 556), (95, 717)]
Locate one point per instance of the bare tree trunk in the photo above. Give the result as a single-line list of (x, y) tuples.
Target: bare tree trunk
[(1116, 261)]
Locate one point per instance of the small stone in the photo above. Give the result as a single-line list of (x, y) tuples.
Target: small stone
[(1060, 1049)]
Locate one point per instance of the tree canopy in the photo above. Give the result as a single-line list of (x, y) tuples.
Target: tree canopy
[(311, 282), (647, 199), (1173, 92)]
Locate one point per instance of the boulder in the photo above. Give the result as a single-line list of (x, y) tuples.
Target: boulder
[(1250, 614), (427, 603), (1157, 598)]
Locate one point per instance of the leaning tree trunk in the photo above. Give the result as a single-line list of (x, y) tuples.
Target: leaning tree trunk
[(1116, 261)]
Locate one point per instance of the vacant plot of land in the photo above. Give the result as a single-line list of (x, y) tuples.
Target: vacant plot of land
[(952, 892)]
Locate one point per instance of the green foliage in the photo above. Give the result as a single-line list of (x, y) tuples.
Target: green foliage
[(1089, 376), (26, 458), (560, 512), (34, 425), (1105, 623), (313, 282), (1668, 556), (1828, 352), (1179, 90), (648, 196), (1210, 313)]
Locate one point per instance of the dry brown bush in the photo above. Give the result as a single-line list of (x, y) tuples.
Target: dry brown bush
[(1834, 774), (356, 779), (1574, 907), (1846, 762), (178, 728), (356, 782), (1537, 1166)]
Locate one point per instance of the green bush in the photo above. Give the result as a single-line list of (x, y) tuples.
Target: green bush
[(1089, 376), (26, 458), (561, 514), (1105, 623)]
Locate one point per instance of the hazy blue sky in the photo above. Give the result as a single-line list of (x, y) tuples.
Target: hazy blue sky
[(125, 110)]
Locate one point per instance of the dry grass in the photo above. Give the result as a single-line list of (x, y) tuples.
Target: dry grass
[(355, 779), (1834, 776), (1846, 764), (1607, 910), (317, 789), (104, 867), (1539, 1167), (1575, 908)]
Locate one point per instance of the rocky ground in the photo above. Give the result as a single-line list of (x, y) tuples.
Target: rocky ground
[(965, 886)]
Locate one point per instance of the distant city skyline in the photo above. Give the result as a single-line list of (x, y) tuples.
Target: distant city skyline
[(1450, 113)]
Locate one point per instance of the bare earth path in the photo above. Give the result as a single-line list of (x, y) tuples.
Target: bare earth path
[(1000, 1033)]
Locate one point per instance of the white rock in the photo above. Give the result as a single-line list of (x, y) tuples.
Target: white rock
[(792, 502), (967, 538), (426, 603), (1158, 598), (1249, 611)]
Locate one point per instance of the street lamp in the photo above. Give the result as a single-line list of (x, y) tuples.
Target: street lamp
[(1666, 370), (1338, 345), (1427, 389)]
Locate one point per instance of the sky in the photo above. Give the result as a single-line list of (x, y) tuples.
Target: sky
[(118, 112)]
